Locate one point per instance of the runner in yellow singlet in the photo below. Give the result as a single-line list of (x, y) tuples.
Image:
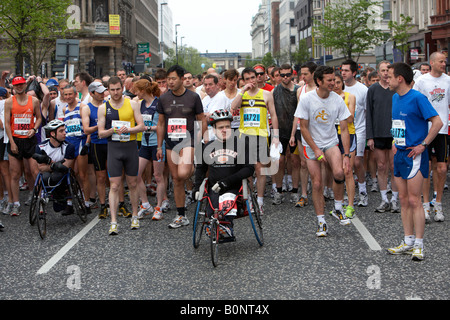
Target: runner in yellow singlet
[(254, 104)]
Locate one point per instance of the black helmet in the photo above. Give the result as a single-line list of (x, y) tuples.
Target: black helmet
[(220, 115)]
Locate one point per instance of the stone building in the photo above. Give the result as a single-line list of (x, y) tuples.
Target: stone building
[(110, 47)]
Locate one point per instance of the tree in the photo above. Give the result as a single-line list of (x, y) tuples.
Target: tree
[(30, 27), (400, 33), (350, 26), (268, 60), (189, 58), (301, 55)]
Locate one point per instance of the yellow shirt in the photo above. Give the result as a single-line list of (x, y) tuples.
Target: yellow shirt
[(119, 117), (351, 126), (253, 115)]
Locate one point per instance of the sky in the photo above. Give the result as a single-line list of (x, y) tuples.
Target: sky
[(215, 25)]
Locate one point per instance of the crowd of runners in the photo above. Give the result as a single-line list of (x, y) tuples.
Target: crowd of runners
[(334, 133)]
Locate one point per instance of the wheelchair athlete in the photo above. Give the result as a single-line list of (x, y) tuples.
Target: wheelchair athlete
[(227, 162), (54, 157)]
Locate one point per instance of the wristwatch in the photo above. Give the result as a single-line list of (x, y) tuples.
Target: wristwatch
[(424, 144), (348, 156)]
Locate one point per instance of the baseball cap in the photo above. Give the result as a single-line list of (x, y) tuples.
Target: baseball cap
[(52, 82), (3, 92), (97, 87), (18, 80)]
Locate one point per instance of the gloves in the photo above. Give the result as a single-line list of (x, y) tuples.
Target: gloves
[(85, 150), (42, 158), (219, 186), (59, 167)]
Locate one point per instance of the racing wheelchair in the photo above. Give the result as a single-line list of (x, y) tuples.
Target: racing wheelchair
[(209, 219), (58, 190)]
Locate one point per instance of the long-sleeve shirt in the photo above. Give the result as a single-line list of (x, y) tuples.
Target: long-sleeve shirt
[(227, 161), (379, 112)]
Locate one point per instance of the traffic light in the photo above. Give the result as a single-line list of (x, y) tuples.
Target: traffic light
[(91, 68)]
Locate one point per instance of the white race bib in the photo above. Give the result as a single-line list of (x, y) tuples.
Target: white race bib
[(148, 120), (252, 117), (399, 132), (73, 127), (120, 137), (226, 201), (177, 129)]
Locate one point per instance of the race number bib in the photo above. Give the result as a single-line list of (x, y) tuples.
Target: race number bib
[(73, 127), (227, 201), (177, 129), (148, 120), (22, 126), (399, 132), (120, 137), (252, 117)]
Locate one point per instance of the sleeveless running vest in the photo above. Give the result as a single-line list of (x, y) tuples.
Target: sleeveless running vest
[(124, 116), (253, 112), (351, 126), (148, 115), (22, 118), (93, 121), (72, 119)]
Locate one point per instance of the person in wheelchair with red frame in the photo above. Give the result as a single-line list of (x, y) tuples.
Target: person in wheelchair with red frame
[(54, 157), (226, 161)]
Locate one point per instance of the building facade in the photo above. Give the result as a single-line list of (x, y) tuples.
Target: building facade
[(109, 32), (440, 27)]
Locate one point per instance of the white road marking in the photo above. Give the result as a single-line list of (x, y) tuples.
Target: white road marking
[(64, 250), (373, 244)]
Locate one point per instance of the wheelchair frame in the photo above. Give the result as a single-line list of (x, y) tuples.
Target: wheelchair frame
[(201, 220), (42, 195)]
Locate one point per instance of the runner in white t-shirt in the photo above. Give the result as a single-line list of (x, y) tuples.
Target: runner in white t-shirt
[(318, 111), (214, 99), (436, 87), (349, 68)]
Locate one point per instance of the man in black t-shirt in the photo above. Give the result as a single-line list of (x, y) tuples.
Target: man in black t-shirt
[(178, 110)]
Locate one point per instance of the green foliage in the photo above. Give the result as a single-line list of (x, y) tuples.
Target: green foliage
[(400, 32), (189, 58), (268, 60), (350, 26), (301, 55), (29, 26)]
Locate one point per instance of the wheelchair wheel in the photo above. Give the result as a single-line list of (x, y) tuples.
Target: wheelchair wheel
[(199, 222), (214, 242), (41, 213), (255, 219), (34, 200), (77, 198)]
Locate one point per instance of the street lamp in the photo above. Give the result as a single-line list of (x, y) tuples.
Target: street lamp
[(289, 42), (176, 40), (162, 34)]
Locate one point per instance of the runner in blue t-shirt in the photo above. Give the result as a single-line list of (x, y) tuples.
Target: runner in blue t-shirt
[(411, 114), (98, 147)]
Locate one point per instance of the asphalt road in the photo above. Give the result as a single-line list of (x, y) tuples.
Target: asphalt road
[(81, 262)]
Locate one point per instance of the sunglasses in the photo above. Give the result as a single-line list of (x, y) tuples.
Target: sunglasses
[(260, 73), (285, 75)]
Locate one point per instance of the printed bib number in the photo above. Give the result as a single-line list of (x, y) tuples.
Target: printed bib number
[(399, 132), (252, 118), (22, 126), (120, 137), (148, 120), (177, 129), (227, 201), (73, 128)]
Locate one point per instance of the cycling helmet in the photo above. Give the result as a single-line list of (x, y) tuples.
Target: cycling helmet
[(220, 115), (53, 125)]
